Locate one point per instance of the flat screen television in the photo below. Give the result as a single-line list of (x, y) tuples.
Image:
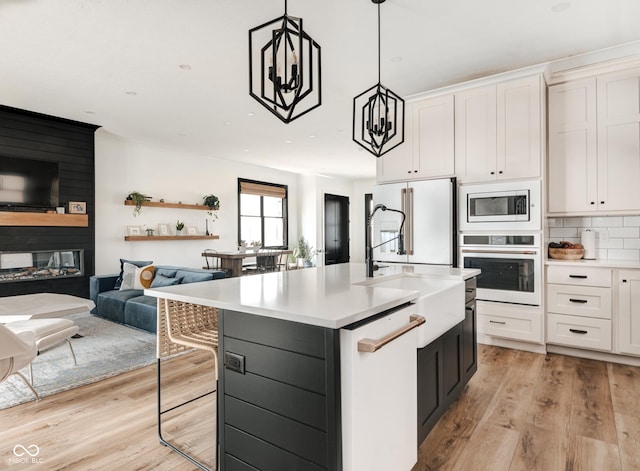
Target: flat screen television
[(28, 183)]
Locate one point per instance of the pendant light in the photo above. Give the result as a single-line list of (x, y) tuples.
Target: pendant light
[(284, 67), (378, 114)]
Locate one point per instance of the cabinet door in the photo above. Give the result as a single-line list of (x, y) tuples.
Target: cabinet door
[(619, 141), (433, 137), (475, 134), (452, 374), (469, 342), (629, 313), (572, 167), (519, 128), (430, 391), (397, 164)]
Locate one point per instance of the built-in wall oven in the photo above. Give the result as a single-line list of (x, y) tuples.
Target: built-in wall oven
[(500, 206), (511, 266)]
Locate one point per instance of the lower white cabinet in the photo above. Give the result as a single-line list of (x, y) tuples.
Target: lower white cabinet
[(577, 331), (510, 321), (579, 303), (629, 312)]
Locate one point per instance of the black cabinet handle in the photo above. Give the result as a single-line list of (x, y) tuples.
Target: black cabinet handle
[(578, 331), (470, 290), (580, 301), (601, 202), (593, 202), (500, 172), (493, 173), (582, 277), (624, 281), (497, 322)]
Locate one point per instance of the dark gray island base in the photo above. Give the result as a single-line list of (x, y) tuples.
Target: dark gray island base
[(279, 395)]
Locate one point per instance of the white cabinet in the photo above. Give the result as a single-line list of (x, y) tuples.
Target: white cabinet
[(594, 144), (498, 131), (579, 307), (510, 321), (629, 311), (429, 144)]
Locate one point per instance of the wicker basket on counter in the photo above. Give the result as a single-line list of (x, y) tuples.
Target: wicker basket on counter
[(566, 254)]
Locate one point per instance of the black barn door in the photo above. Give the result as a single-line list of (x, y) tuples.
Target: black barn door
[(336, 229)]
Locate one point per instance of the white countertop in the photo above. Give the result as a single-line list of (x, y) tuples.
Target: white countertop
[(628, 264), (332, 296)]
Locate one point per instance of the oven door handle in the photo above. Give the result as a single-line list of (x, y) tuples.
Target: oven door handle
[(502, 252)]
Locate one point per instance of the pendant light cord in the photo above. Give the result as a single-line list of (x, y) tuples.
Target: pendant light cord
[(378, 42)]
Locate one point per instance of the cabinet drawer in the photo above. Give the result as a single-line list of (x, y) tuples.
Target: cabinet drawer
[(587, 301), (584, 276), (509, 322), (582, 332)]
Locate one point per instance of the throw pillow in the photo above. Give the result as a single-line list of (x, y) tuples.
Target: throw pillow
[(133, 262), (159, 281), (134, 277)]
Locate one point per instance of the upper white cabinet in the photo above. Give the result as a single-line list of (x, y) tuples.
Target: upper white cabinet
[(428, 148), (498, 130), (594, 144)]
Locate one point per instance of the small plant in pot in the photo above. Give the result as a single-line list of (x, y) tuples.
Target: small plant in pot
[(179, 227), (213, 202), (304, 253), (138, 199)]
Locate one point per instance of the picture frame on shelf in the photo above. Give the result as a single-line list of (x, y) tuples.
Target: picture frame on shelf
[(163, 229), (77, 207), (134, 230), (192, 230)]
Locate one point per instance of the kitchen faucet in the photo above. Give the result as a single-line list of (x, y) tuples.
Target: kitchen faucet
[(371, 267)]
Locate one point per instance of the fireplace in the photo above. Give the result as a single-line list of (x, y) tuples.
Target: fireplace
[(41, 265)]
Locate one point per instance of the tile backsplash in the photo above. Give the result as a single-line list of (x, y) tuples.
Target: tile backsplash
[(617, 237)]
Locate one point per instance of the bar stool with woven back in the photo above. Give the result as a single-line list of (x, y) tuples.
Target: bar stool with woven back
[(183, 327)]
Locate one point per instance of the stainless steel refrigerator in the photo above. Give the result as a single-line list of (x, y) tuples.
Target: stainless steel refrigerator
[(430, 231)]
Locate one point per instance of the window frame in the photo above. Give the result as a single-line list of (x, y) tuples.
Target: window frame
[(285, 212)]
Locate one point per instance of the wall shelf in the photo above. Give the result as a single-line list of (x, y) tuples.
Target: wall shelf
[(157, 204), (43, 219), (181, 237)]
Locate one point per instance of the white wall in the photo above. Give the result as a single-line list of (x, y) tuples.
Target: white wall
[(123, 166)]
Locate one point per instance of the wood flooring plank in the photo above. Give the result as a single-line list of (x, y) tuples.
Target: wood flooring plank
[(540, 449), (628, 427), (551, 406), (624, 381), (490, 448), (512, 401), (592, 454), (592, 410)]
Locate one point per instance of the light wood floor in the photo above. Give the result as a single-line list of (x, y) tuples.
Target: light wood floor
[(521, 411)]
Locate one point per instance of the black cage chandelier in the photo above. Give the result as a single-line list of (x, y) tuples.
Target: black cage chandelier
[(378, 114), (284, 67)]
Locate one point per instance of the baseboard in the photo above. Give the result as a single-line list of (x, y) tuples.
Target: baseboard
[(514, 344), (594, 355)]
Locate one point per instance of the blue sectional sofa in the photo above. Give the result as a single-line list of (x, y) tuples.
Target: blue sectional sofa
[(130, 306)]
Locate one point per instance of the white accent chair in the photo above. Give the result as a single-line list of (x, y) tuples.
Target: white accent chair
[(16, 352), (48, 333)]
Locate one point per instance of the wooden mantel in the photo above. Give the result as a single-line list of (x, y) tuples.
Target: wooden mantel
[(43, 219)]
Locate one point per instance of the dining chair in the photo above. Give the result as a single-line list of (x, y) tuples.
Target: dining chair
[(17, 350)]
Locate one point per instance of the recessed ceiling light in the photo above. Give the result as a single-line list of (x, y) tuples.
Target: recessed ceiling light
[(131, 93), (185, 66), (562, 6), (227, 123), (287, 141), (250, 114), (90, 112), (245, 150), (312, 136)]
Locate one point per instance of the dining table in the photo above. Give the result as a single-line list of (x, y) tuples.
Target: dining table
[(233, 261)]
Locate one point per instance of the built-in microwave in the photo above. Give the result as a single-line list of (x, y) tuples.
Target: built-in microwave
[(500, 206)]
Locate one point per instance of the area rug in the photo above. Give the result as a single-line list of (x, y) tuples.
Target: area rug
[(105, 349)]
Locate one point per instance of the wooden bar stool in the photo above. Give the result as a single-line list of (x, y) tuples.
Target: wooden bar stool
[(183, 327)]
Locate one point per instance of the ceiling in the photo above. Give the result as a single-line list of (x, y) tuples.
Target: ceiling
[(175, 72)]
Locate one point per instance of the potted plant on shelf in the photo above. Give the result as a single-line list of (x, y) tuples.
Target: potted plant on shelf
[(213, 202), (179, 227), (138, 199)]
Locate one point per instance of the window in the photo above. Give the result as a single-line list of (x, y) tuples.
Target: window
[(262, 213)]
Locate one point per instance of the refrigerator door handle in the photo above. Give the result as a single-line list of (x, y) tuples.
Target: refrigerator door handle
[(409, 233)]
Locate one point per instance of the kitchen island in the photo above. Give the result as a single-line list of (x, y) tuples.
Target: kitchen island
[(291, 379)]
